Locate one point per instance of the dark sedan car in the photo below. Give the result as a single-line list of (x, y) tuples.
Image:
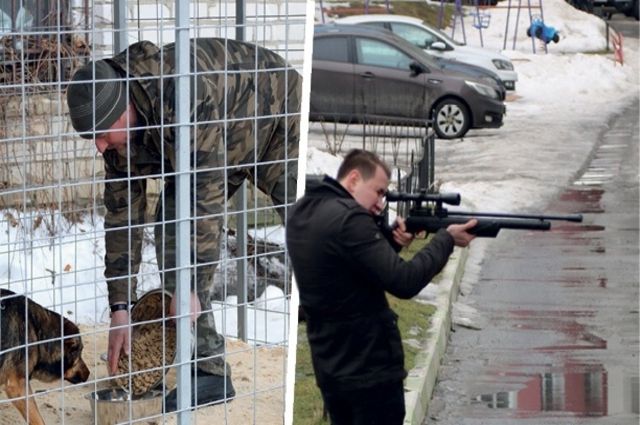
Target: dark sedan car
[(360, 72), (476, 72)]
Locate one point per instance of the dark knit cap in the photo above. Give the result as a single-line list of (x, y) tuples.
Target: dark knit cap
[(109, 93)]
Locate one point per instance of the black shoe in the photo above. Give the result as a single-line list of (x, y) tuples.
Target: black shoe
[(209, 389)]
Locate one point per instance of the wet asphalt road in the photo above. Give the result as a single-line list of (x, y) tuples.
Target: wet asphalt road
[(560, 344)]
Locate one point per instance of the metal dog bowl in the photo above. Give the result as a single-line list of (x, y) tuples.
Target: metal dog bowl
[(115, 406)]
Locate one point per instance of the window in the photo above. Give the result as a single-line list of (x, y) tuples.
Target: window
[(378, 53), (379, 25), (31, 15), (33, 47), (414, 34), (331, 49)]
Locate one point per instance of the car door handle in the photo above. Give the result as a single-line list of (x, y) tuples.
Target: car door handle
[(434, 81), (367, 75)]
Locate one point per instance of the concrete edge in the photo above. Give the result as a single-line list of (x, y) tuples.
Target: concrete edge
[(421, 380)]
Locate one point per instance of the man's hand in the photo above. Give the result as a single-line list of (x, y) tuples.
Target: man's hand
[(118, 339), (400, 234), (460, 234), (196, 309)]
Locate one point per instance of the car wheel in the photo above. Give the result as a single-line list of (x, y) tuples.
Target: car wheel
[(452, 119)]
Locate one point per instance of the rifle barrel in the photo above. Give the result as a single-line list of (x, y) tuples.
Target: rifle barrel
[(486, 227), (576, 218)]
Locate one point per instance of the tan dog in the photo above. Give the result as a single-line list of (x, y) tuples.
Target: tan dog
[(47, 358)]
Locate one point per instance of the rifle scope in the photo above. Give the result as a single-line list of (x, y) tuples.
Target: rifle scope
[(446, 198)]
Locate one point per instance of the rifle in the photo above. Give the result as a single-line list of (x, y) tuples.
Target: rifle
[(434, 216)]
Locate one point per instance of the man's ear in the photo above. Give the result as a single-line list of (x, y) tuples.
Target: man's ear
[(351, 180)]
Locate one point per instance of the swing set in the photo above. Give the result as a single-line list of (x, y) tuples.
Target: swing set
[(481, 17)]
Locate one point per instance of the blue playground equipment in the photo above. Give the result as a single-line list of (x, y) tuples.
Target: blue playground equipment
[(518, 7), (542, 32), (481, 18)]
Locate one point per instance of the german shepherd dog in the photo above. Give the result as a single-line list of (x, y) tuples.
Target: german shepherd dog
[(46, 357)]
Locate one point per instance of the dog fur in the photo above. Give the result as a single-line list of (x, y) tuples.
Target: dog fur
[(47, 357)]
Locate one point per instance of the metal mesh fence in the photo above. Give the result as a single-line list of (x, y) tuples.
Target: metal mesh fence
[(405, 144), (175, 196)]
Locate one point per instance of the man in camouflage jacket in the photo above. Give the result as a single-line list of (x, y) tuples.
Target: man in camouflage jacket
[(245, 103)]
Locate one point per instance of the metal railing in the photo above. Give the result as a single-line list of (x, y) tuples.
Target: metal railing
[(405, 144)]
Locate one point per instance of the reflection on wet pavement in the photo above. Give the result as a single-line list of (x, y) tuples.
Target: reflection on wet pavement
[(590, 392), (568, 387), (561, 343), (588, 199)]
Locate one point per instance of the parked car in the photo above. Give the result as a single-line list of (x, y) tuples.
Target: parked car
[(606, 8), (438, 43), (361, 73), (477, 72)]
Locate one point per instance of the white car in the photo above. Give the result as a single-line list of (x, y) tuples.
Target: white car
[(437, 43)]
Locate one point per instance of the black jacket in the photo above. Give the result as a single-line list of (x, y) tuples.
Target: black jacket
[(343, 265)]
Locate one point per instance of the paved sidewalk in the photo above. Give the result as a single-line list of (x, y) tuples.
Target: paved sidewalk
[(422, 379)]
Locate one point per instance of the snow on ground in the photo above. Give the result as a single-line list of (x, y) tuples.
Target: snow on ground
[(266, 319), (561, 104), (319, 163), (579, 31), (60, 265)]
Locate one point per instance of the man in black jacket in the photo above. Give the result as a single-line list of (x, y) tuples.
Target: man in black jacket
[(344, 260)]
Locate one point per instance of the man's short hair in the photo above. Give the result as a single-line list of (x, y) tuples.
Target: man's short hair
[(364, 161)]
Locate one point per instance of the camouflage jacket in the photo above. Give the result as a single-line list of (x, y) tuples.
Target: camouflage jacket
[(225, 85)]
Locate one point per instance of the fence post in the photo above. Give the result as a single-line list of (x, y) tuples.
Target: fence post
[(183, 214), (427, 162), (241, 197)]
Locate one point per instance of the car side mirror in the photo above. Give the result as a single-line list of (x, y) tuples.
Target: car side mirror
[(438, 45), (417, 68)]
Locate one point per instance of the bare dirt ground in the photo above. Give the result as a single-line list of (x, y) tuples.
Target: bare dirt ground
[(258, 377)]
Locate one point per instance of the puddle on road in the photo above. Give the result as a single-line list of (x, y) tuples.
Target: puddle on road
[(572, 228), (587, 200), (580, 390), (583, 390), (577, 336)]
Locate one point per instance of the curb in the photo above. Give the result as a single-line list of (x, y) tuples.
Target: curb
[(422, 379)]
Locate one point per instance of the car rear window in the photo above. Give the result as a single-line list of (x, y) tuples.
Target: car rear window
[(331, 49), (376, 24)]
